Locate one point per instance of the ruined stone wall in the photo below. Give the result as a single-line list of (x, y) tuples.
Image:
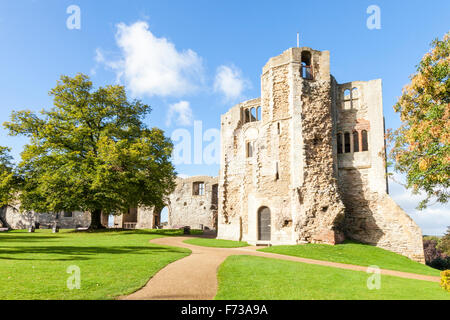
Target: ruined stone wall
[(321, 204), (250, 183), (17, 220), (184, 208), (233, 197), (371, 216), (319, 196), (277, 175), (314, 194), (197, 211)]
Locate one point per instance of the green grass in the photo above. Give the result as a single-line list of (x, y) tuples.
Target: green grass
[(355, 253), (112, 263), (249, 277), (216, 243)]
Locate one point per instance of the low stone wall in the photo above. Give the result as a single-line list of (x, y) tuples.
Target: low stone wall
[(16, 220)]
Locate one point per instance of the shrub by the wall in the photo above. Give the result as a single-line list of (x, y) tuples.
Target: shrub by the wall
[(434, 257), (445, 280)]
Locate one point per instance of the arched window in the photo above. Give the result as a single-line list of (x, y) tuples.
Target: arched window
[(306, 68), (253, 114), (347, 142), (355, 141), (339, 143), (249, 149), (258, 113), (365, 142)]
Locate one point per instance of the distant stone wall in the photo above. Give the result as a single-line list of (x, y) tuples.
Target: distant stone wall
[(184, 208), (16, 220), (188, 209)]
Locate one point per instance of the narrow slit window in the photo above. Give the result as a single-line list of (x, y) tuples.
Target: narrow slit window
[(347, 142), (278, 128), (249, 149), (277, 174), (365, 142), (339, 143), (355, 141)]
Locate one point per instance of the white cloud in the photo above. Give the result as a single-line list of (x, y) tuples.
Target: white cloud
[(182, 113), (229, 82), (152, 66), (433, 220)]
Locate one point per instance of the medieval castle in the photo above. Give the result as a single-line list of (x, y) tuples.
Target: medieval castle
[(303, 163)]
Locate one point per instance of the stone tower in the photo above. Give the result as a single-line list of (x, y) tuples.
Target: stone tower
[(304, 162)]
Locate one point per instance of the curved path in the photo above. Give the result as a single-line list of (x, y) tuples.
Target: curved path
[(195, 276)]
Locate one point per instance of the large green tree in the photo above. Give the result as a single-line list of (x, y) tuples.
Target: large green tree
[(421, 145), (92, 152), (9, 180)]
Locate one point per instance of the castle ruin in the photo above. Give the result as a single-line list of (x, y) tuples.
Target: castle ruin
[(304, 163)]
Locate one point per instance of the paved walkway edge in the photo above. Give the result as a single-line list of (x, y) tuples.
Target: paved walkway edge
[(195, 277)]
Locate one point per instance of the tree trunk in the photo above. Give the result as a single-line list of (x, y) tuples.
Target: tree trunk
[(96, 222)]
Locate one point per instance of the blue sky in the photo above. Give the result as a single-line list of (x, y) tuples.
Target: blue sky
[(216, 51)]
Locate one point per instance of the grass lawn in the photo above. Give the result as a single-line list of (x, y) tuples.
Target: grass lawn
[(112, 263), (355, 253), (249, 277), (216, 243)]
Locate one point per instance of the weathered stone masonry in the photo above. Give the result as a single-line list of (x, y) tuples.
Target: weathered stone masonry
[(193, 203), (305, 163), (302, 163)]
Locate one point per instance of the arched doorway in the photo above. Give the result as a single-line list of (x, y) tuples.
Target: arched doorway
[(264, 224), (164, 217)]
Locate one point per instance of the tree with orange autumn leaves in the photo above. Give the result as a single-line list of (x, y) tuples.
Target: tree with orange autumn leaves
[(421, 145)]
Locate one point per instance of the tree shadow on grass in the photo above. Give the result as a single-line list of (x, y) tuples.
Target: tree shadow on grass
[(78, 253), (160, 232), (27, 238)]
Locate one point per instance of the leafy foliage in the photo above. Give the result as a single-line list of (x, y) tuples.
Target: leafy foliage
[(434, 257), (92, 152), (445, 280), (444, 243), (9, 180), (421, 145)]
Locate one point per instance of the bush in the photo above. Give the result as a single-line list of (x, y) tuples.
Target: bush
[(434, 257), (445, 280), (444, 243), (440, 263)]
